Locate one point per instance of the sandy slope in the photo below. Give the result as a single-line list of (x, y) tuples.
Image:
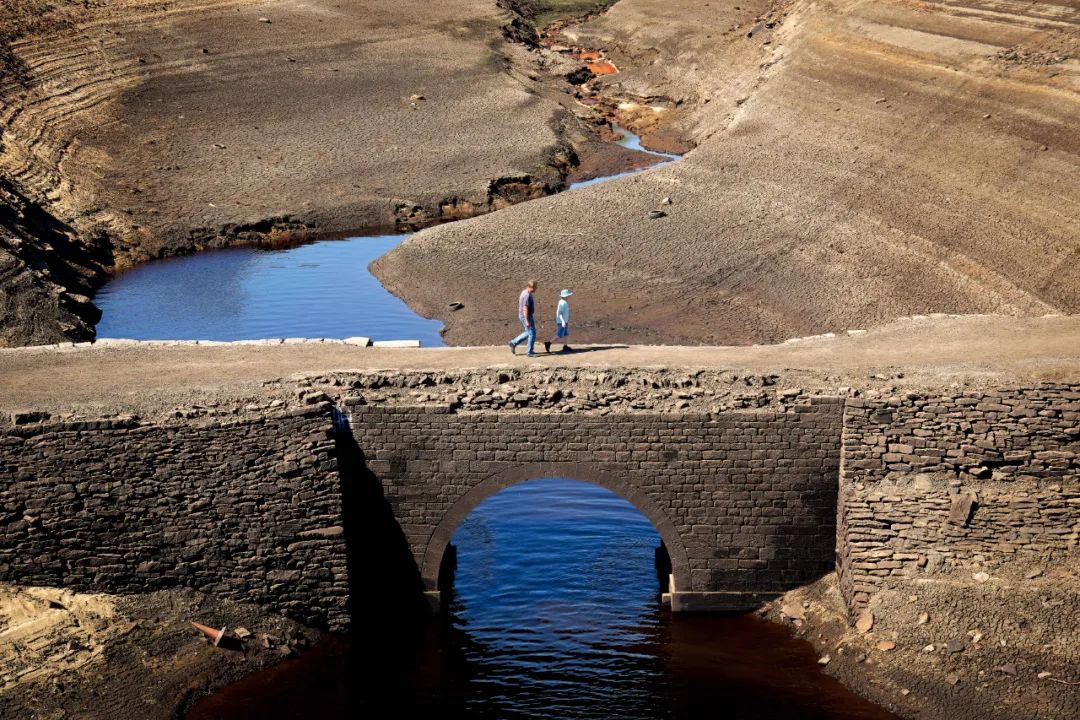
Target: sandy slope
[(860, 161), (163, 127), (127, 657)]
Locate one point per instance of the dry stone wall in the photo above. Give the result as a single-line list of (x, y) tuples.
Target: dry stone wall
[(246, 508), (754, 487), (961, 480)]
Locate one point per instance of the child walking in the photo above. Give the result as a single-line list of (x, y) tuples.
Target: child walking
[(562, 322)]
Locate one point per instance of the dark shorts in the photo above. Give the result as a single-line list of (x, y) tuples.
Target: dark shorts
[(563, 331)]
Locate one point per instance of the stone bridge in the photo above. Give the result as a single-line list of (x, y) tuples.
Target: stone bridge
[(327, 491), (745, 502)]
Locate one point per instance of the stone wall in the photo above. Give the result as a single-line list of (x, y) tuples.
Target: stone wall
[(961, 480), (245, 508), (258, 503), (744, 501)]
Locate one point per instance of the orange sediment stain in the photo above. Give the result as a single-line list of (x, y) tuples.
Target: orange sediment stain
[(602, 68), (588, 55)]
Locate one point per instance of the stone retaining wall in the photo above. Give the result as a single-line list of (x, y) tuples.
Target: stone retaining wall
[(754, 488), (963, 480), (248, 509)]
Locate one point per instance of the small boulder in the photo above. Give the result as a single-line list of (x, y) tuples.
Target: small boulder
[(793, 611)]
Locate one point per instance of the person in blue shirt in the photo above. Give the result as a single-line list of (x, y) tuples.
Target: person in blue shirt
[(562, 322), (527, 317)]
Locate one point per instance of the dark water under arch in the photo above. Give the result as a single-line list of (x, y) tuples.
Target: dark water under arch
[(554, 612)]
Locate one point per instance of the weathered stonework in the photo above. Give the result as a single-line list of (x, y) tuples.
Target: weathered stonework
[(961, 480), (744, 501), (754, 487), (248, 509)]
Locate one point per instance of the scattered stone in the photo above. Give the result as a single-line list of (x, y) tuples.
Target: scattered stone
[(242, 633), (954, 646), (219, 146), (981, 577), (666, 201), (865, 622), (824, 660), (417, 97), (886, 645), (264, 20), (960, 512), (1043, 675), (455, 306), (905, 692), (580, 76), (923, 618), (976, 637), (656, 214), (795, 612), (1007, 668), (929, 648), (952, 679), (1033, 573)]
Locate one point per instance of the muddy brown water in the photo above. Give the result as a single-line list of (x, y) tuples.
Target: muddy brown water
[(554, 613)]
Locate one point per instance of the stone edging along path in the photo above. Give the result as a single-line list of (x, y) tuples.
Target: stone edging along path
[(362, 341)]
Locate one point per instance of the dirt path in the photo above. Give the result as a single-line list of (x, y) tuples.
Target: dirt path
[(923, 353)]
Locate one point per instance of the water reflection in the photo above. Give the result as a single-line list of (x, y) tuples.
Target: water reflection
[(556, 588), (322, 289)]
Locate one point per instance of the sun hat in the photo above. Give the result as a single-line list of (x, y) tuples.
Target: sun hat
[(567, 292)]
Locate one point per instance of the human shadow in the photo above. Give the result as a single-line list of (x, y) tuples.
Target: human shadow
[(585, 349)]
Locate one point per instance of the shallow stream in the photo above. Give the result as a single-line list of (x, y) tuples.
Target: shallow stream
[(319, 290)]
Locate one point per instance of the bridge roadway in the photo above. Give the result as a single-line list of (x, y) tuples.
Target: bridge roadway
[(930, 352)]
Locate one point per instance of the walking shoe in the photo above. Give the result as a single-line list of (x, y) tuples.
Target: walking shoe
[(547, 346), (567, 348), (531, 355), (513, 349)]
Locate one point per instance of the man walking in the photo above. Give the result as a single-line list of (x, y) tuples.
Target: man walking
[(527, 316)]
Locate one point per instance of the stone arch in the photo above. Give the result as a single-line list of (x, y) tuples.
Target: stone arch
[(440, 538)]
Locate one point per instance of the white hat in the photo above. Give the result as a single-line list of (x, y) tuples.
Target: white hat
[(567, 292)]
